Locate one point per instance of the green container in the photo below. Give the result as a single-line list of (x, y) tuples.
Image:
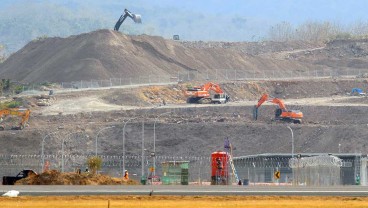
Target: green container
[(143, 180), (175, 173)]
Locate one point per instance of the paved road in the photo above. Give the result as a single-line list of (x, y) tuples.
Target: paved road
[(187, 190)]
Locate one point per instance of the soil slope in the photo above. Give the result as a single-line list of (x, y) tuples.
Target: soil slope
[(104, 54)]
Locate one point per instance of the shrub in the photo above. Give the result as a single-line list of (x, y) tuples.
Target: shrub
[(94, 164)]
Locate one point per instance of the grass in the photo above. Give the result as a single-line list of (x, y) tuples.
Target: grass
[(182, 202)]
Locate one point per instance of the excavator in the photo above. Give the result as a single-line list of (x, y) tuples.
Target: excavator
[(281, 112), (202, 94), (24, 113), (135, 17)]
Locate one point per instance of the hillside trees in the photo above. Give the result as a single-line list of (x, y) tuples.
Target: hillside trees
[(2, 53), (314, 31)]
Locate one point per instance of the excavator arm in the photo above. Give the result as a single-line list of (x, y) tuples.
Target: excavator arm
[(280, 103), (135, 17)]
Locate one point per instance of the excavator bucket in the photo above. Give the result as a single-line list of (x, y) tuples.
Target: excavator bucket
[(137, 18)]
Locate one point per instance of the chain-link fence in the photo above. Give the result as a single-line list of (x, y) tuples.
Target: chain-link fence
[(254, 170), (313, 171), (218, 75), (239, 74), (112, 165)]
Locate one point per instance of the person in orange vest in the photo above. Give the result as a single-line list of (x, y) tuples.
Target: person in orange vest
[(126, 175), (47, 166)]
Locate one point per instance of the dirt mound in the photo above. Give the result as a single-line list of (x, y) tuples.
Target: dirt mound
[(104, 54), (54, 177)]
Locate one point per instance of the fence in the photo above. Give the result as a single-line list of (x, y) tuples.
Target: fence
[(218, 75), (261, 169), (256, 170), (199, 167), (238, 74)]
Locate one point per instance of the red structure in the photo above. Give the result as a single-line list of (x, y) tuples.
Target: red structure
[(219, 168)]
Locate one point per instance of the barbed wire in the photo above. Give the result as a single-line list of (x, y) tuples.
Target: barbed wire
[(329, 161)]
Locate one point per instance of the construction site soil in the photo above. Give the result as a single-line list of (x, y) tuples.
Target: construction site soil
[(54, 177), (331, 116), (104, 54)]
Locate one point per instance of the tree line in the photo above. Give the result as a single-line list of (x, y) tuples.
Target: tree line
[(314, 31)]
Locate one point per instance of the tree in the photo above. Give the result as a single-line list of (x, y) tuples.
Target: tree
[(2, 53), (94, 164)]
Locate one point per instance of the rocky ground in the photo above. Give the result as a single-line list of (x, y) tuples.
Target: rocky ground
[(331, 117)]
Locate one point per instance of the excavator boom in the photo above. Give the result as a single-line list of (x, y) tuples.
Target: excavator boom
[(135, 17)]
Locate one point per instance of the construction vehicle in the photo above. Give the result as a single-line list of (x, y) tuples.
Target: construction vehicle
[(11, 180), (281, 112), (24, 113), (357, 92), (202, 94), (135, 17)]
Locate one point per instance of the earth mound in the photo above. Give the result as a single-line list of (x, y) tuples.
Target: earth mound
[(54, 177), (104, 54)]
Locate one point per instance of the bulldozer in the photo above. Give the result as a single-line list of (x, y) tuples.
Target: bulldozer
[(202, 94), (23, 113), (281, 113)]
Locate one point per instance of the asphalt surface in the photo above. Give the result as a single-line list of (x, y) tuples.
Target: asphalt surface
[(52, 190)]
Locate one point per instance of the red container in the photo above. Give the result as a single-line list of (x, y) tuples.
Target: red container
[(219, 164)]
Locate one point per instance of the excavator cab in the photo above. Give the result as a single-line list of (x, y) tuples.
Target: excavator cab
[(220, 98)]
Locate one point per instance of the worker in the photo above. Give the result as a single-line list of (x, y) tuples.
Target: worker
[(219, 163), (126, 175)]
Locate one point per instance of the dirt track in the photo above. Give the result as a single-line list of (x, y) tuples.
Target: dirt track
[(328, 120)]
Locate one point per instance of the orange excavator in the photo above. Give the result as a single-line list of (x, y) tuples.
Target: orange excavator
[(202, 94), (281, 112), (24, 113)]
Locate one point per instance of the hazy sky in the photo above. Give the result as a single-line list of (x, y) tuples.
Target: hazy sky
[(294, 11)]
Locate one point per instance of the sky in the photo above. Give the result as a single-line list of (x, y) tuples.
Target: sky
[(295, 11)]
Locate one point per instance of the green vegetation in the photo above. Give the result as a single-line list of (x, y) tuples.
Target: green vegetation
[(2, 53), (10, 104), (317, 32), (94, 164)]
